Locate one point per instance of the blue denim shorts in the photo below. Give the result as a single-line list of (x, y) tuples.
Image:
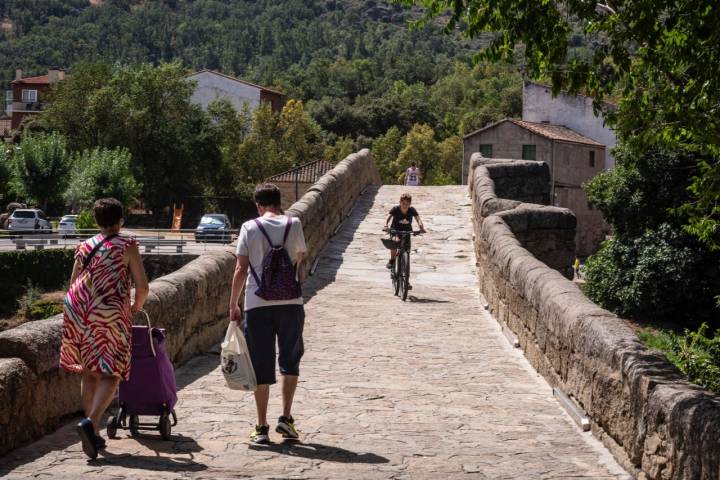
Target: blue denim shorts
[(265, 325)]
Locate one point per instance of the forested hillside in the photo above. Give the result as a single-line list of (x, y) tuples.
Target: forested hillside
[(357, 67)]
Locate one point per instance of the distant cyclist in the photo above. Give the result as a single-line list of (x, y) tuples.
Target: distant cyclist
[(402, 216), (412, 176)]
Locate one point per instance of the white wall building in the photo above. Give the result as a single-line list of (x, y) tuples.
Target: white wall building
[(573, 111), (214, 85)]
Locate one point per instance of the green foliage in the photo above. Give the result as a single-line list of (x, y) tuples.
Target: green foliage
[(28, 299), (6, 188), (146, 110), (46, 269), (696, 354), (45, 309), (662, 275), (385, 150), (662, 58), (41, 165), (421, 148), (101, 173), (85, 221)]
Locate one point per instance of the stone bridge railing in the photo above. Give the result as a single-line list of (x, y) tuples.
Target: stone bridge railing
[(191, 304), (654, 422)]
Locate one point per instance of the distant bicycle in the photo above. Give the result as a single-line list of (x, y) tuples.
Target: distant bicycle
[(400, 271)]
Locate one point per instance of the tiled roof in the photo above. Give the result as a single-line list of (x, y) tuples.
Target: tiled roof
[(308, 173), (41, 80), (547, 130), (265, 89)]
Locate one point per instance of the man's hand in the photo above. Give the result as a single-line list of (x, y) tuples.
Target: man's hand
[(135, 309), (235, 314)]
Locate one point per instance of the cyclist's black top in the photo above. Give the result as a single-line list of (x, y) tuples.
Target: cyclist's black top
[(402, 221)]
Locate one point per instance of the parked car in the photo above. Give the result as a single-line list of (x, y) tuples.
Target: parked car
[(67, 225), (214, 227), (29, 219)]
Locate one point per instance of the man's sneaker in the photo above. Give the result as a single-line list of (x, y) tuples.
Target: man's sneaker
[(389, 265), (286, 427), (260, 434)]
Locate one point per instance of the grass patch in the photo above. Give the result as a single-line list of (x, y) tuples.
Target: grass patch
[(695, 353)]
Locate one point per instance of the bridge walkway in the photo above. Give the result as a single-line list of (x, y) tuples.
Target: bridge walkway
[(423, 389)]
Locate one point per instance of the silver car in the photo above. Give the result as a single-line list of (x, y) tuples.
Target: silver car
[(28, 219), (67, 225)]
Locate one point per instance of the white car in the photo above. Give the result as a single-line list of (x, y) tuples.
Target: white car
[(28, 219), (67, 225)]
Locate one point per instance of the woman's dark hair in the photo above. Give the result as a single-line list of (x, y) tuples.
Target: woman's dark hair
[(108, 212), (267, 195)]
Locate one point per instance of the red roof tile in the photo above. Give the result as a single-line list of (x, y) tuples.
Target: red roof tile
[(308, 173), (547, 130), (41, 80)]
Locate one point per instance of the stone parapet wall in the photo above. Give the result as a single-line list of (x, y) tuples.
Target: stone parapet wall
[(655, 423), (190, 304), (326, 204)]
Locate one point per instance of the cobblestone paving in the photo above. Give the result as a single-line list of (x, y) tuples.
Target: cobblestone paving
[(425, 389)]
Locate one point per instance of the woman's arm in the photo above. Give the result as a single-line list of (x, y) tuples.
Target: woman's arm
[(77, 268), (137, 271)]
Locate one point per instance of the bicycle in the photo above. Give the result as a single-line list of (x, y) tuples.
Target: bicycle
[(400, 271)]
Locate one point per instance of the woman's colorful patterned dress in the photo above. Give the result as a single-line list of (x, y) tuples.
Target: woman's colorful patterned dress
[(97, 321)]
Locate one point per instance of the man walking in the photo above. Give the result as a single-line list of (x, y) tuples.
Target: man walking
[(271, 249), (412, 176)]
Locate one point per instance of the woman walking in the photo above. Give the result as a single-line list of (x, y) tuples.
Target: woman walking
[(97, 316)]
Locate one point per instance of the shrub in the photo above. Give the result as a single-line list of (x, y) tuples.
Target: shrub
[(28, 300), (85, 221), (696, 354), (663, 275)]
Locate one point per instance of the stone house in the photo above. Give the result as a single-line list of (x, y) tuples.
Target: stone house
[(573, 111), (573, 159), (26, 94), (295, 182), (213, 85)]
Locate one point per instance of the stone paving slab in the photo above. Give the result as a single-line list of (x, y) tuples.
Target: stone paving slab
[(423, 389)]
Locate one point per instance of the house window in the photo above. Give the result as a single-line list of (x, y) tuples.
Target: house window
[(592, 159), (486, 150), (8, 96), (528, 152), (29, 96)]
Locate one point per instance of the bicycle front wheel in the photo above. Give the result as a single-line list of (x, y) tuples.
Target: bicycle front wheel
[(405, 276), (395, 274)]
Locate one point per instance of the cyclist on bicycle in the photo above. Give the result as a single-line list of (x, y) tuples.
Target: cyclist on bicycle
[(401, 216)]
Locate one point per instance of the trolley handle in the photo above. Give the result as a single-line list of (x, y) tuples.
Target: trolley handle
[(152, 344)]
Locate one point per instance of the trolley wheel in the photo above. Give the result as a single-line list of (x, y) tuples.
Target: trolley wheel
[(165, 426), (112, 427), (134, 424)]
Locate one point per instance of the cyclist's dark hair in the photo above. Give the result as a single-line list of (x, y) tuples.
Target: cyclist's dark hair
[(268, 195), (412, 164), (406, 196), (108, 212)]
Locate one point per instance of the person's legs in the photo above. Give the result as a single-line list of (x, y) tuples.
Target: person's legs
[(262, 396), (291, 320), (289, 385), (87, 390), (104, 393)]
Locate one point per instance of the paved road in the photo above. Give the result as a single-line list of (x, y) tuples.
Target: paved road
[(426, 389)]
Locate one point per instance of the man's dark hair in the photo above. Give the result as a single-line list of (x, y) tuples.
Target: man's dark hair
[(412, 164), (267, 195), (108, 212)]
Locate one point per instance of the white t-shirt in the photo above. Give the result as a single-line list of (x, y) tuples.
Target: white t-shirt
[(253, 244), (412, 177)]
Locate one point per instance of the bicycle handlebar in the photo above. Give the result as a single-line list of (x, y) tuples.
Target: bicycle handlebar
[(406, 232)]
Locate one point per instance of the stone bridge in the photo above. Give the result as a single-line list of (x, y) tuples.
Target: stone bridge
[(424, 389)]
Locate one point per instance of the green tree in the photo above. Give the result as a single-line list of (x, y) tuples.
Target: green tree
[(101, 173), (662, 57), (385, 151), (421, 148), (449, 168), (5, 175), (41, 167)]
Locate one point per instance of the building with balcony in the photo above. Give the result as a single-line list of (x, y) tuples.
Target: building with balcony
[(28, 93)]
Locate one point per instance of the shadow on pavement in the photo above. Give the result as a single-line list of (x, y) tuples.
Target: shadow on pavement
[(176, 444), (149, 462), (316, 451), (415, 299)]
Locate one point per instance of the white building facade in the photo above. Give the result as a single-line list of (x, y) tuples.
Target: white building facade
[(573, 111), (211, 86)]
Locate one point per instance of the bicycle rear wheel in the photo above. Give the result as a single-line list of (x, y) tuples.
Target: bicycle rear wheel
[(405, 276), (395, 274)]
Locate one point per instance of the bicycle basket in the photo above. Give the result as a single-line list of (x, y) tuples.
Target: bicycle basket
[(390, 244)]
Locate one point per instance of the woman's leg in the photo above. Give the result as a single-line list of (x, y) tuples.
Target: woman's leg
[(104, 393), (87, 389)]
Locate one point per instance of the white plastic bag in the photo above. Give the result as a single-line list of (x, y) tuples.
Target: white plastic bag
[(235, 361)]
